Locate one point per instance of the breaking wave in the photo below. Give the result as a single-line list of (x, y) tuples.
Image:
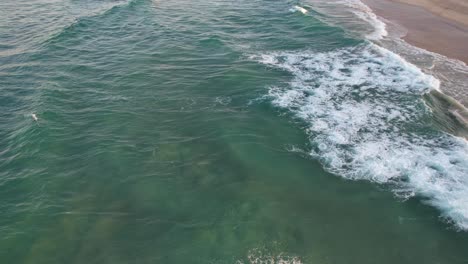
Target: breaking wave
[(367, 121), (346, 17)]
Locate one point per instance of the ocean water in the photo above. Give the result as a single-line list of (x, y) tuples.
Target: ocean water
[(217, 131)]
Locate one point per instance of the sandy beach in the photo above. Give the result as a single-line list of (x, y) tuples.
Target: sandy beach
[(436, 25), (456, 10)]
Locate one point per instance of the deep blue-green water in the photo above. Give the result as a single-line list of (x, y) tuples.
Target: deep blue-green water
[(219, 131)]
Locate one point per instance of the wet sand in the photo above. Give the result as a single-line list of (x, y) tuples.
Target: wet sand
[(435, 25), (456, 10)]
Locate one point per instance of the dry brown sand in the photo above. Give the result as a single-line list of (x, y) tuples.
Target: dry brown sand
[(436, 25)]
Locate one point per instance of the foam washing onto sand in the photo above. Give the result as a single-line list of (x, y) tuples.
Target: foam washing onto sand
[(344, 13), (367, 121), (366, 14)]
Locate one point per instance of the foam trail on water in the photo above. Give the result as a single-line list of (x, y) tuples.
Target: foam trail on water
[(365, 13), (345, 17), (259, 256), (367, 121)]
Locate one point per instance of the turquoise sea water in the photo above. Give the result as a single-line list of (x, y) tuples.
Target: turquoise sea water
[(217, 131)]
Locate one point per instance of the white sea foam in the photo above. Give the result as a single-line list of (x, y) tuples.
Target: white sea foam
[(367, 121), (299, 8), (365, 13), (258, 256), (343, 16)]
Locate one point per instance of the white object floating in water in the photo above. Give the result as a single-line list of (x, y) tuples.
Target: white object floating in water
[(34, 116), (301, 9)]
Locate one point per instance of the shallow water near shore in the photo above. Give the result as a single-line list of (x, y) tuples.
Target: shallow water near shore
[(217, 132)]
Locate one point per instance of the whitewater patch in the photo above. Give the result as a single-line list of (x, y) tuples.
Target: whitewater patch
[(367, 121), (346, 17), (259, 256), (365, 13)]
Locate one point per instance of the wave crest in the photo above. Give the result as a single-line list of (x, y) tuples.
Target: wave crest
[(367, 121)]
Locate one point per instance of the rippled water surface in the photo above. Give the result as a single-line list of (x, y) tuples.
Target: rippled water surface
[(208, 131)]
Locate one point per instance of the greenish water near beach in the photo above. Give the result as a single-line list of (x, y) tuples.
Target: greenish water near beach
[(167, 133)]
